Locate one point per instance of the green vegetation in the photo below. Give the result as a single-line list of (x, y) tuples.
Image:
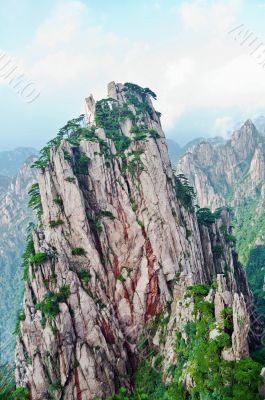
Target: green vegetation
[(249, 226), (140, 132), (20, 393), (217, 250), (133, 166), (81, 163), (227, 315), (109, 115), (84, 276), (70, 179), (54, 387), (148, 383), (213, 377), (97, 225), (185, 193), (78, 251), (142, 92), (29, 252), (95, 222), (55, 223), (200, 356), (230, 238), (138, 97), (39, 258), (44, 158), (198, 290), (107, 214), (20, 317), (50, 304), (67, 156), (249, 230), (57, 200), (7, 384), (206, 217), (121, 395), (154, 134), (121, 278), (35, 200), (73, 128), (140, 223), (255, 270)]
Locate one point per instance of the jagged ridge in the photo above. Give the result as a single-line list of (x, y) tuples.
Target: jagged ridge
[(118, 244)]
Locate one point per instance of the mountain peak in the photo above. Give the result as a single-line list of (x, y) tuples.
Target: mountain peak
[(116, 250), (246, 139), (249, 123)]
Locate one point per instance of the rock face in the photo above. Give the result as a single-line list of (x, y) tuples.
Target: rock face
[(115, 247), (233, 174), (229, 172), (14, 219), (175, 151), (4, 182)]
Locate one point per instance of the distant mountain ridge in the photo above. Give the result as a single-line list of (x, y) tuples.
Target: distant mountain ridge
[(12, 160), (259, 123), (4, 182), (14, 219), (175, 151), (233, 174), (215, 171)]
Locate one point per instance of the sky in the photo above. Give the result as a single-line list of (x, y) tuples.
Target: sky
[(205, 78)]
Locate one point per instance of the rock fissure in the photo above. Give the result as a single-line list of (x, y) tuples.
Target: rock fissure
[(125, 261)]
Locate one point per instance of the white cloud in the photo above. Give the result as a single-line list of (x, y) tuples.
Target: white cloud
[(179, 73), (201, 15), (62, 26), (201, 68), (193, 16), (223, 126)]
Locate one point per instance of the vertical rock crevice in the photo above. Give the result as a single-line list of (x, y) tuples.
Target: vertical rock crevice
[(120, 248)]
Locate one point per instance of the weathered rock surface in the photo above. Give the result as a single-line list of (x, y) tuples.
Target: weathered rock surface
[(230, 172), (4, 182), (14, 219), (140, 262)]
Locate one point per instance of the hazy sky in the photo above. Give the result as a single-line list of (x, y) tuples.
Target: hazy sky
[(205, 81)]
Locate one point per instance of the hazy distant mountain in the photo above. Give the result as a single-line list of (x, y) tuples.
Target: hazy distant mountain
[(175, 151), (259, 123), (11, 161), (16, 177), (213, 141), (14, 219), (233, 174), (4, 182)]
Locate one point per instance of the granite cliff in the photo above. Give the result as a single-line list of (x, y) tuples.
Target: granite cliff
[(120, 273), (233, 175), (230, 172)]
